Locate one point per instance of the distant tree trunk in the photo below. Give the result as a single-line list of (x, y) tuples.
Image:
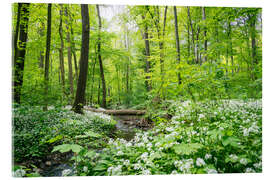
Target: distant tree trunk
[(197, 46), (188, 36), (70, 72), (127, 67), (81, 86), (20, 50), (252, 24), (100, 61), (177, 43), (192, 32), (16, 33), (61, 51), (147, 54), (41, 54), (47, 57), (161, 45), (205, 35), (93, 81), (73, 50)]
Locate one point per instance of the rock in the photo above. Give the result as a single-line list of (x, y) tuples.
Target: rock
[(48, 163)]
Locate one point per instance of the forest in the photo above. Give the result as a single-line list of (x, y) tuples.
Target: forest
[(106, 90)]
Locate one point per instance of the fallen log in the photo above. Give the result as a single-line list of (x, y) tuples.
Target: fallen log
[(118, 112)]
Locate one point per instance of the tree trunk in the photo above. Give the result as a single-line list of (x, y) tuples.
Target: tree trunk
[(20, 50), (100, 61), (47, 56), (205, 34), (197, 46), (41, 53), (61, 51), (70, 72), (16, 34), (177, 43), (147, 54), (81, 86), (192, 33), (73, 49)]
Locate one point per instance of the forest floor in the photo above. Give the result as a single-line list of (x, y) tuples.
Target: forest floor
[(205, 137)]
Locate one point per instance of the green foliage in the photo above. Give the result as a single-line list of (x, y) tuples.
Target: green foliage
[(53, 127)]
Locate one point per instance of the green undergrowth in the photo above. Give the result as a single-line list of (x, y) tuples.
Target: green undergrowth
[(206, 137), (35, 131)]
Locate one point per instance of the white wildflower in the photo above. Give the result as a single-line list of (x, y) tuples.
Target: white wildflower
[(207, 156), (66, 172), (250, 170), (211, 171), (243, 161), (85, 168), (146, 172), (258, 165), (19, 173), (233, 157), (200, 162)]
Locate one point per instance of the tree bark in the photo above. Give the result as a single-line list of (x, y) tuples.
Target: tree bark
[(61, 50), (73, 48), (47, 57), (70, 72), (205, 34), (147, 54), (100, 61), (81, 86), (20, 50), (16, 34), (192, 32), (177, 43)]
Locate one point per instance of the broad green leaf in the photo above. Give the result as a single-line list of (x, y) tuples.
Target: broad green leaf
[(187, 148)]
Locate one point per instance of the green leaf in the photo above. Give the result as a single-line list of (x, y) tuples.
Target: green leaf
[(230, 140), (67, 147), (59, 137), (89, 134), (90, 154), (187, 148)]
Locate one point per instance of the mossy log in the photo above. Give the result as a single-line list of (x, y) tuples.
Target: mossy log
[(118, 112)]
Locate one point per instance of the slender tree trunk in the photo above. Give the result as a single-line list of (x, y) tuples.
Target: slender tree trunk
[(100, 61), (188, 36), (41, 53), (70, 72), (205, 34), (197, 46), (61, 50), (81, 86), (47, 57), (192, 33), (73, 49), (93, 81), (19, 54), (16, 33), (177, 43), (147, 54)]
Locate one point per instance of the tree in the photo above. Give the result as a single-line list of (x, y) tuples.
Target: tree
[(177, 42), (81, 85), (47, 57), (61, 50), (205, 34), (20, 49), (100, 60), (70, 73), (147, 54)]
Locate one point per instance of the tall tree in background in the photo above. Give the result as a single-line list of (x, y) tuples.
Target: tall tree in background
[(61, 50), (81, 85), (205, 33), (100, 60), (147, 53), (41, 53), (177, 43), (20, 49), (47, 56), (70, 73)]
